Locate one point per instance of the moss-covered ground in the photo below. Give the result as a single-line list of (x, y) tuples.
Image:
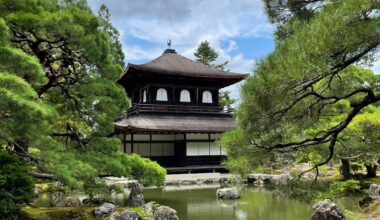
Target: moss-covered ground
[(29, 213)]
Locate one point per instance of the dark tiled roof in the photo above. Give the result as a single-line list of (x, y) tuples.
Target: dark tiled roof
[(174, 64)]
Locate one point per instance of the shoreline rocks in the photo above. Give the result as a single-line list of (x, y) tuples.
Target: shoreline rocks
[(261, 179), (165, 213), (374, 191), (72, 202), (228, 193), (104, 210), (136, 197), (327, 210)]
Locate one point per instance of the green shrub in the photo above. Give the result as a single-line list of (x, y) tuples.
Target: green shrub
[(56, 193), (356, 167), (16, 185), (95, 188), (302, 190), (343, 188), (146, 171)]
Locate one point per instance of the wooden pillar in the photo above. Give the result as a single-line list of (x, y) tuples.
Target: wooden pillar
[(173, 95), (150, 144), (209, 144), (196, 96), (131, 143), (125, 142)]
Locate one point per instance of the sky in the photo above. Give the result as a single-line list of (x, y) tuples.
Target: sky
[(237, 29)]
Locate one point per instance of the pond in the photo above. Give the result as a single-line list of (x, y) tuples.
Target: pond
[(255, 203), (199, 202)]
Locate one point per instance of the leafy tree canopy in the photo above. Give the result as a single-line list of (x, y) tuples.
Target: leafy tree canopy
[(16, 185), (308, 91), (59, 98)]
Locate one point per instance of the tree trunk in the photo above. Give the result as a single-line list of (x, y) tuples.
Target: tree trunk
[(371, 170), (345, 170)]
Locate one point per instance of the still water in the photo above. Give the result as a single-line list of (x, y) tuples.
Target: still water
[(200, 203), (255, 204)]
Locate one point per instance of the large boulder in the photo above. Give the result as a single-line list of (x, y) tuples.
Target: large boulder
[(136, 198), (125, 215), (129, 215), (228, 193), (115, 216), (374, 191), (72, 202), (104, 210), (96, 201), (165, 213), (148, 208), (327, 210)]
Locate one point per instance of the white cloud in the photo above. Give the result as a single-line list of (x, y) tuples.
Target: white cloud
[(136, 52), (187, 22), (232, 46)]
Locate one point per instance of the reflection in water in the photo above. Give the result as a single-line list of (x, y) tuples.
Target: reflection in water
[(201, 203), (254, 204)]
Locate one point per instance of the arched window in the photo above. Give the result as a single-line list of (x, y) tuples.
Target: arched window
[(144, 96), (162, 95), (206, 97), (184, 96)]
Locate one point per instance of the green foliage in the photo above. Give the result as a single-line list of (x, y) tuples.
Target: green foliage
[(342, 188), (356, 167), (308, 85), (226, 101), (113, 33), (97, 188), (306, 191), (56, 193), (207, 55), (58, 96), (16, 185), (145, 171)]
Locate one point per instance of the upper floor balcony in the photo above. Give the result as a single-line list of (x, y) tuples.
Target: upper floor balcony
[(138, 108)]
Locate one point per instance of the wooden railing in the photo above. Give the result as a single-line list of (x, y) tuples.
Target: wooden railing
[(138, 108)]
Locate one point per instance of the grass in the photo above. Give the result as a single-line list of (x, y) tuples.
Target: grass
[(57, 213), (64, 213)]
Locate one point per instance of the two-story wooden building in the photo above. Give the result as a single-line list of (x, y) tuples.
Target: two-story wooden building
[(175, 117)]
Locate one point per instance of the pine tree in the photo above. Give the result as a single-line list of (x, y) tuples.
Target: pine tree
[(58, 67), (207, 55), (304, 94)]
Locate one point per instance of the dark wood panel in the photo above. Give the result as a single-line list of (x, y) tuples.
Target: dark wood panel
[(204, 160)]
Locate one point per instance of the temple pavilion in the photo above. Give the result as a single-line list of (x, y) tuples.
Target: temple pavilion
[(175, 117)]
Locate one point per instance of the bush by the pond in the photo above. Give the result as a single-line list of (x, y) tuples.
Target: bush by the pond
[(303, 190), (343, 188), (146, 171), (16, 185)]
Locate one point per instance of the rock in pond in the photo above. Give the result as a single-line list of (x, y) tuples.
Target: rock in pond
[(148, 208), (115, 216), (129, 215), (104, 210), (72, 202), (374, 191), (326, 210), (165, 213), (228, 193), (136, 198), (125, 215)]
